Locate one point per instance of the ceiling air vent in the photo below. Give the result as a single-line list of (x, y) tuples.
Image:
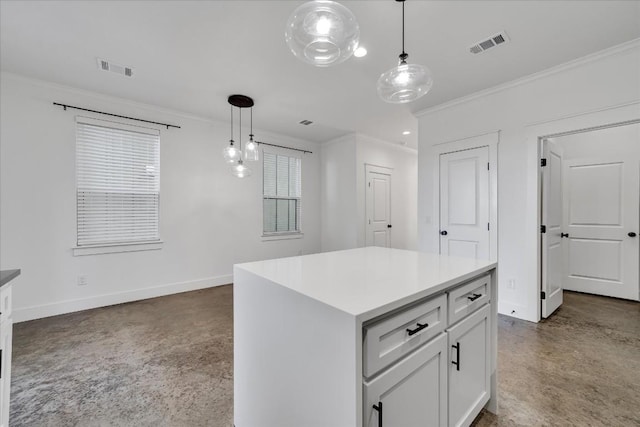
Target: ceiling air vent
[(493, 41), (105, 65), (305, 122)]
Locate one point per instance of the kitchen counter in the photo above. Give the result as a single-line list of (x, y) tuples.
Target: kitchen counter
[(8, 275), (325, 339)]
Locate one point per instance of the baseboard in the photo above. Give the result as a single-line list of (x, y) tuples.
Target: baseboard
[(70, 306)]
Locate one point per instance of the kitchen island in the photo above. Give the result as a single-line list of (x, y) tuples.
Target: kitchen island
[(364, 337)]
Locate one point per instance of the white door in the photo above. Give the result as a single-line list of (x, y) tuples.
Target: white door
[(469, 367), (378, 205), (552, 233), (464, 203), (602, 220), (412, 392)]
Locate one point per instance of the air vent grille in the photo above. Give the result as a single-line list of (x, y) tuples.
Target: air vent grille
[(305, 122), (109, 66), (490, 42)]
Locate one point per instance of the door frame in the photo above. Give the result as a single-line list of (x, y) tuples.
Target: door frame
[(613, 116), (384, 170), (491, 140)]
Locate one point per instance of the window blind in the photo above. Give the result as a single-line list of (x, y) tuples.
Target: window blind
[(117, 183), (282, 203)]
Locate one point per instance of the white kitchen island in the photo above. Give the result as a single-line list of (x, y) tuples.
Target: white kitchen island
[(364, 337)]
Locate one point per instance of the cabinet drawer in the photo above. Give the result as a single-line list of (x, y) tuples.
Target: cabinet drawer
[(5, 302), (466, 299), (394, 337)]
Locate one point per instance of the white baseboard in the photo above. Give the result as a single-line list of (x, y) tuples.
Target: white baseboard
[(70, 306)]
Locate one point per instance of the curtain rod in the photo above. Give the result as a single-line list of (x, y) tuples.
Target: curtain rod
[(65, 106), (282, 146)]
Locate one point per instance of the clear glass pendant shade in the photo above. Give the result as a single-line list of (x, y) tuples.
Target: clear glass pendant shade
[(322, 33), (231, 153), (239, 170), (404, 83), (251, 151)]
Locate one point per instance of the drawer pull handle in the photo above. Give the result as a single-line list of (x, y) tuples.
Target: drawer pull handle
[(474, 297), (457, 361), (378, 408), (420, 327)]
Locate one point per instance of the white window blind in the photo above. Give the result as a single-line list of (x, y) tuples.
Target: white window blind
[(118, 183), (282, 201)]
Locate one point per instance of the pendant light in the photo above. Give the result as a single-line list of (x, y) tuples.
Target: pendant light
[(238, 168), (322, 33), (406, 82), (251, 147), (231, 153)]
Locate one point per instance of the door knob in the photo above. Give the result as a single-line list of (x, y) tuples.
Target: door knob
[(388, 225), (444, 232), (564, 235), (632, 234)]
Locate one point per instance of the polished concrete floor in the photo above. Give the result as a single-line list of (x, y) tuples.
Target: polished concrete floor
[(169, 362)]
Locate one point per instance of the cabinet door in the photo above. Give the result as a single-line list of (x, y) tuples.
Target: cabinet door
[(411, 393), (469, 367)]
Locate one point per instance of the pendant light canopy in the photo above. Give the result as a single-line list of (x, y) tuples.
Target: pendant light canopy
[(234, 155), (406, 82), (322, 33)]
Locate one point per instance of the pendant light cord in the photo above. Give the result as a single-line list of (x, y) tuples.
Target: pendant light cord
[(404, 55), (240, 128), (251, 134), (231, 140)]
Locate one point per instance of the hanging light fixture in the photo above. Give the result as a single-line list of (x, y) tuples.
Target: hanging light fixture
[(406, 82), (322, 33), (251, 147), (232, 154)]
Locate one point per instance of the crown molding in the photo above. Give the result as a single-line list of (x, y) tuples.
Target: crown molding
[(615, 50)]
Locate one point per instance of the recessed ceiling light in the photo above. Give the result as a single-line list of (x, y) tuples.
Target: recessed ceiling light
[(406, 132), (360, 52)]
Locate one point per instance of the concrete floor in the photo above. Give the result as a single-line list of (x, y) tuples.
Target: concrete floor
[(169, 361)]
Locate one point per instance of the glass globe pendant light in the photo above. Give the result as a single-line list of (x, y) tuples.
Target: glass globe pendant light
[(230, 153), (239, 170), (251, 147), (406, 82), (322, 33)]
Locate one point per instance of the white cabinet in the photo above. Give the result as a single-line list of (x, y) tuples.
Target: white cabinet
[(469, 367), (409, 394), (6, 326)]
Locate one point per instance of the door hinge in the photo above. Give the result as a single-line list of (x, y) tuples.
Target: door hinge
[(488, 226), (543, 295), (543, 162), (369, 183), (488, 166), (543, 228)]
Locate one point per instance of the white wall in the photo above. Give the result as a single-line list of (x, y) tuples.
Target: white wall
[(594, 83), (619, 141), (343, 191), (338, 189), (404, 188), (209, 219)]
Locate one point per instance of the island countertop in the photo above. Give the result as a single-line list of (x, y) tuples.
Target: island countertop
[(366, 281), (8, 275)]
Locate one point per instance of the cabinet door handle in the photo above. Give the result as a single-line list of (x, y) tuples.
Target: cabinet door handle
[(564, 235), (474, 297), (378, 408), (457, 361), (420, 327)]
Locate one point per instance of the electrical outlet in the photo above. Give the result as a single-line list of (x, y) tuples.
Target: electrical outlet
[(511, 284), (82, 281)]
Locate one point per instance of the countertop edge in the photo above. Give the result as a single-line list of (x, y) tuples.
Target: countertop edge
[(8, 275)]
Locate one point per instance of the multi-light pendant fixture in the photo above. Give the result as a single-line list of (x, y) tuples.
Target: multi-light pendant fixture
[(233, 155), (325, 33)]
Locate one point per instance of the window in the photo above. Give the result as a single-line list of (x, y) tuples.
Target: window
[(282, 194), (117, 183)]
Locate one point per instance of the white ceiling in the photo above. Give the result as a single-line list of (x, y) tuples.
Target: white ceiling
[(190, 56)]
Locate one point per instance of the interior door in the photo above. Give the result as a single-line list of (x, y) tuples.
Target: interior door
[(464, 203), (378, 205), (602, 220), (552, 250), (412, 392)]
